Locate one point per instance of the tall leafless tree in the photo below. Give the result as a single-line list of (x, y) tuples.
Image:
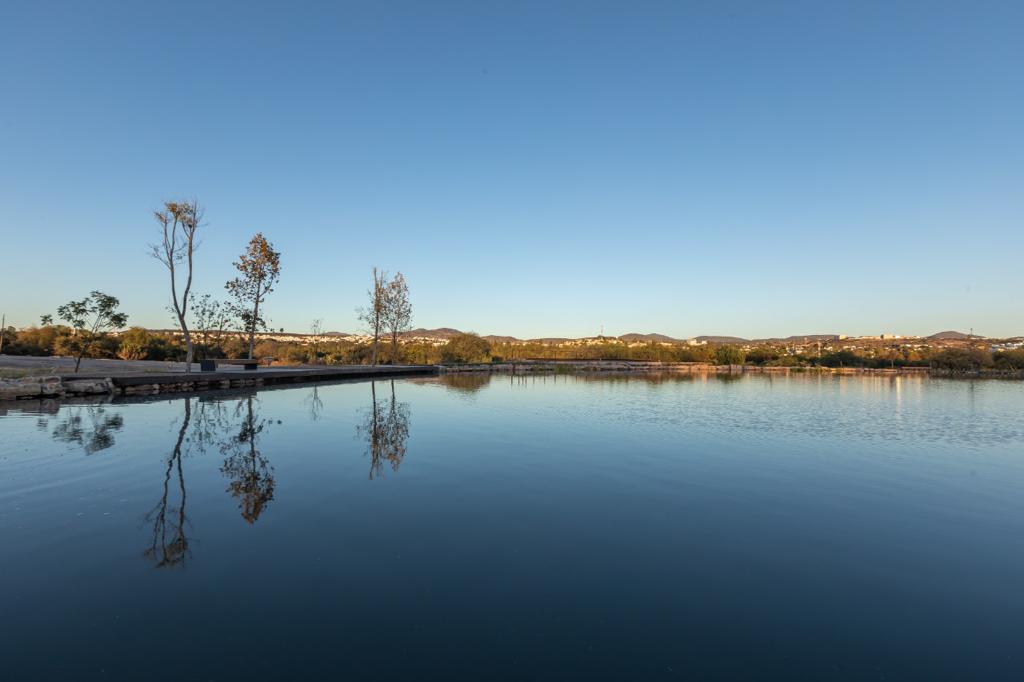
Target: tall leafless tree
[(397, 311), (179, 223), (316, 330), (373, 314)]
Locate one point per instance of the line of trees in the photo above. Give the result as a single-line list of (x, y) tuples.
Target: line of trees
[(211, 328), (208, 327), (212, 341)]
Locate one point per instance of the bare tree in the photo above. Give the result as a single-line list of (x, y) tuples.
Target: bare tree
[(179, 223), (260, 266), (316, 329), (397, 311), (373, 315)]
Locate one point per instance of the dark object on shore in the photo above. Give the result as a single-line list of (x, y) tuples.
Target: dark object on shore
[(246, 363)]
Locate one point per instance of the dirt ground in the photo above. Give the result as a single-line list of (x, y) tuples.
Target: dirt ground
[(14, 366)]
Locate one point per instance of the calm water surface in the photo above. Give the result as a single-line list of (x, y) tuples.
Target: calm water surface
[(519, 528)]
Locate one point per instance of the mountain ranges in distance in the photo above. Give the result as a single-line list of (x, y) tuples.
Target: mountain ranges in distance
[(444, 333)]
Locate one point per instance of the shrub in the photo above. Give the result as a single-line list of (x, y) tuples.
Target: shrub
[(1009, 359), (729, 355), (961, 359), (466, 348)]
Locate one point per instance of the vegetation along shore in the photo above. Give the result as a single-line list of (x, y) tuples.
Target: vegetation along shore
[(237, 327)]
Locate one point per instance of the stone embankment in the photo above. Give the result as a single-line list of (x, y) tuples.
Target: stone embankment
[(52, 387), (33, 388)]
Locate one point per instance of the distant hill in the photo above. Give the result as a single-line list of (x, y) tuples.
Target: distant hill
[(445, 333), (797, 338), (657, 338), (721, 339), (949, 336), (441, 333)]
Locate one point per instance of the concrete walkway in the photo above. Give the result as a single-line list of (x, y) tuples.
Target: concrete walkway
[(91, 367), (62, 365)]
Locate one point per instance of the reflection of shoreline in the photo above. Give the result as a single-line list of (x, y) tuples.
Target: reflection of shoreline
[(472, 382), (639, 367)]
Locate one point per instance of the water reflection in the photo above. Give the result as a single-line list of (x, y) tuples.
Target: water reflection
[(91, 426), (232, 426), (385, 427), (252, 479), (169, 545), (465, 382), (316, 405)]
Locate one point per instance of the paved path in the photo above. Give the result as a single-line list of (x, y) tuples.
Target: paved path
[(113, 368)]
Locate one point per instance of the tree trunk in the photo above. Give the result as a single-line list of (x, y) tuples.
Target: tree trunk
[(394, 347), (252, 324), (189, 349), (83, 351)]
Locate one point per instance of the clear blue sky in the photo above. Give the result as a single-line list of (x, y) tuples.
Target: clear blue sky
[(743, 168)]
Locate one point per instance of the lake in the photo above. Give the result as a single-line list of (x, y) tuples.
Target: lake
[(540, 528)]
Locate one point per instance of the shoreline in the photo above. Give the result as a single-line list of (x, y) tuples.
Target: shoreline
[(621, 366), (72, 385), (59, 386)]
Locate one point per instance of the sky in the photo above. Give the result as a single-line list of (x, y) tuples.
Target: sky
[(534, 169)]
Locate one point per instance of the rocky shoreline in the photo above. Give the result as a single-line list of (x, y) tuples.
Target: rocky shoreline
[(29, 388)]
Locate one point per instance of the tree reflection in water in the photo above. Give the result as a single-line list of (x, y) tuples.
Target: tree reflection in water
[(90, 426), (465, 382), (204, 425), (385, 427), (252, 480), (316, 405), (170, 546)]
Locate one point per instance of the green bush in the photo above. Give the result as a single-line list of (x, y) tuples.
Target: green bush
[(961, 359), (729, 355), (463, 348)]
